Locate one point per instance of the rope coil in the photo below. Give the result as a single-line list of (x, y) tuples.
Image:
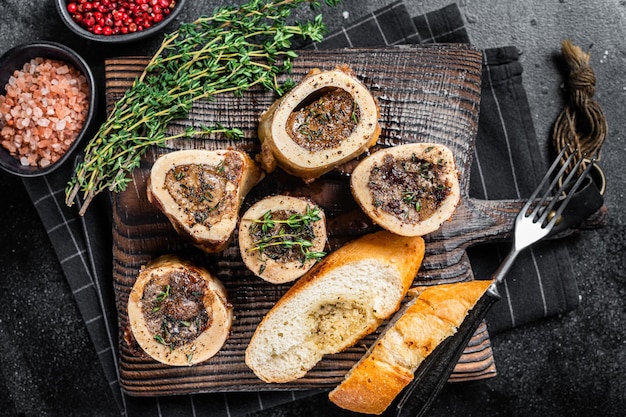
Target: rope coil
[(581, 125)]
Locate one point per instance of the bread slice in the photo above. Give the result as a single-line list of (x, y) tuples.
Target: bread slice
[(388, 366), (343, 298)]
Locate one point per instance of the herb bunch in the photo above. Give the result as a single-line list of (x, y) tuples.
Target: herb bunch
[(293, 232), (233, 50)]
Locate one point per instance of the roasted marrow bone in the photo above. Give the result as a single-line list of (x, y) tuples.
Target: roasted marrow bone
[(178, 313), (329, 118), (281, 237), (201, 193), (408, 189)]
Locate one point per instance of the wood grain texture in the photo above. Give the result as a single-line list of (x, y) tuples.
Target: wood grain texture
[(426, 93)]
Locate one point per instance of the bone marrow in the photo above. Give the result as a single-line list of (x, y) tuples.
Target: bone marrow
[(326, 122), (329, 118), (409, 189), (178, 313), (201, 192), (282, 237)]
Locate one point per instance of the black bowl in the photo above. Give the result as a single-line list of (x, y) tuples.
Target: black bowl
[(121, 38), (14, 59)]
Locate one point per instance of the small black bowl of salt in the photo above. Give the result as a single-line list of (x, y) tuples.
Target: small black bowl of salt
[(47, 105)]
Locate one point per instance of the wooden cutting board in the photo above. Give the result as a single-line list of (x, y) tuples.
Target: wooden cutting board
[(426, 94)]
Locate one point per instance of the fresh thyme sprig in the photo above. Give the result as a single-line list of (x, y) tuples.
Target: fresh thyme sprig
[(294, 231), (231, 51)]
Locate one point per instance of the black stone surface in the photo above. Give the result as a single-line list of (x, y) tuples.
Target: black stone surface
[(572, 365)]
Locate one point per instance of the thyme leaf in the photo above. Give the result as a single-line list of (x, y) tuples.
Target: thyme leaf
[(164, 294), (293, 232), (160, 339), (412, 198), (231, 51)]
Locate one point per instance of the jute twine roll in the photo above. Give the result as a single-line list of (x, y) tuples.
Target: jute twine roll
[(581, 125)]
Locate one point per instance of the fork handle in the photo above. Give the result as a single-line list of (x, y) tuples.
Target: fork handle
[(505, 266)]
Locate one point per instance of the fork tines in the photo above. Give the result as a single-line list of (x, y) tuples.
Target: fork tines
[(560, 191)]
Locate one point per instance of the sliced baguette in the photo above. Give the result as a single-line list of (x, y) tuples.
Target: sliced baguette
[(388, 366), (343, 298)]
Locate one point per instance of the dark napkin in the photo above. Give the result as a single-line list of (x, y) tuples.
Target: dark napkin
[(541, 284), (508, 164)]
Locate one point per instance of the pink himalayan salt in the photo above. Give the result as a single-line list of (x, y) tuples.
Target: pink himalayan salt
[(44, 108)]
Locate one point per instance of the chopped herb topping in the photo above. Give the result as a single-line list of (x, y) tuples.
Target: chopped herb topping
[(284, 236)]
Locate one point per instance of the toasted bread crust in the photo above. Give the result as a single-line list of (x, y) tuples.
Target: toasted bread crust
[(373, 383), (384, 246)]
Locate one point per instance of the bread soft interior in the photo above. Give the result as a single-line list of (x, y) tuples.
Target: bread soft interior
[(336, 311)]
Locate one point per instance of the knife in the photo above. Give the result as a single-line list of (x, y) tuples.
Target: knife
[(433, 373)]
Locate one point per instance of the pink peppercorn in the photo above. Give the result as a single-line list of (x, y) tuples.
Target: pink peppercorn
[(121, 16)]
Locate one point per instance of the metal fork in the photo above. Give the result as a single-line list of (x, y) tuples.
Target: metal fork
[(536, 219), (534, 222)]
